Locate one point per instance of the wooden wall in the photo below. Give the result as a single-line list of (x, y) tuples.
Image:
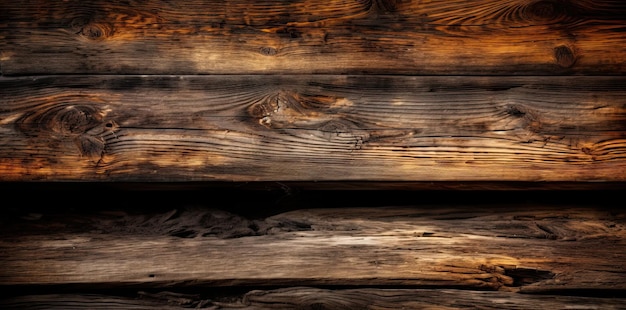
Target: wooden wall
[(309, 154)]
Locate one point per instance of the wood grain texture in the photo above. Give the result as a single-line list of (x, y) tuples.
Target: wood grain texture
[(312, 128), (315, 298), (513, 248), (539, 37)]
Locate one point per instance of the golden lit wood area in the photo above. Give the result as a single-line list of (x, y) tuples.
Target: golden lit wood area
[(309, 154)]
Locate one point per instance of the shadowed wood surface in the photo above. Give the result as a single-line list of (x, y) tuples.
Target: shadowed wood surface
[(312, 128), (326, 187), (539, 37), (315, 298), (529, 248)]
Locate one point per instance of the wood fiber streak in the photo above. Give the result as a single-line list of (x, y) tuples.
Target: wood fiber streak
[(539, 37), (303, 128), (516, 248)]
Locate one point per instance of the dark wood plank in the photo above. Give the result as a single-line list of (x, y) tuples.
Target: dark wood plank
[(315, 298), (84, 301), (313, 128), (312, 36), (527, 248), (327, 187)]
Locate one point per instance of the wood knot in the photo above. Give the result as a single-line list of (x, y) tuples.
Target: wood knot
[(83, 124), (91, 29), (564, 56), (515, 111), (286, 109), (380, 6), (552, 10), (343, 132), (525, 118), (266, 107), (61, 120), (268, 51)]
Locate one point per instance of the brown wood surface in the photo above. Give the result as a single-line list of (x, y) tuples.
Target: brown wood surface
[(315, 298), (312, 128), (525, 248), (539, 37), (332, 95)]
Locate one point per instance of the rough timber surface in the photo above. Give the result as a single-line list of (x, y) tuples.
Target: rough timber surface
[(538, 37), (533, 248), (312, 128), (102, 249)]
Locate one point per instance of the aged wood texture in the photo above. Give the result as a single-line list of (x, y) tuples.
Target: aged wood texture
[(315, 298), (312, 128), (511, 248), (540, 37)]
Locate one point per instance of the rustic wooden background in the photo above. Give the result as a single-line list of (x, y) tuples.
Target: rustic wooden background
[(308, 154)]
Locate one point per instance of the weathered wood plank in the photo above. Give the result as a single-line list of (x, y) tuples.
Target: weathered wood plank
[(517, 248), (310, 36), (312, 128), (315, 298)]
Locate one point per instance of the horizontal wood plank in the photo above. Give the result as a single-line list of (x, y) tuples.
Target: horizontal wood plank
[(315, 298), (542, 37), (514, 248), (312, 128)]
